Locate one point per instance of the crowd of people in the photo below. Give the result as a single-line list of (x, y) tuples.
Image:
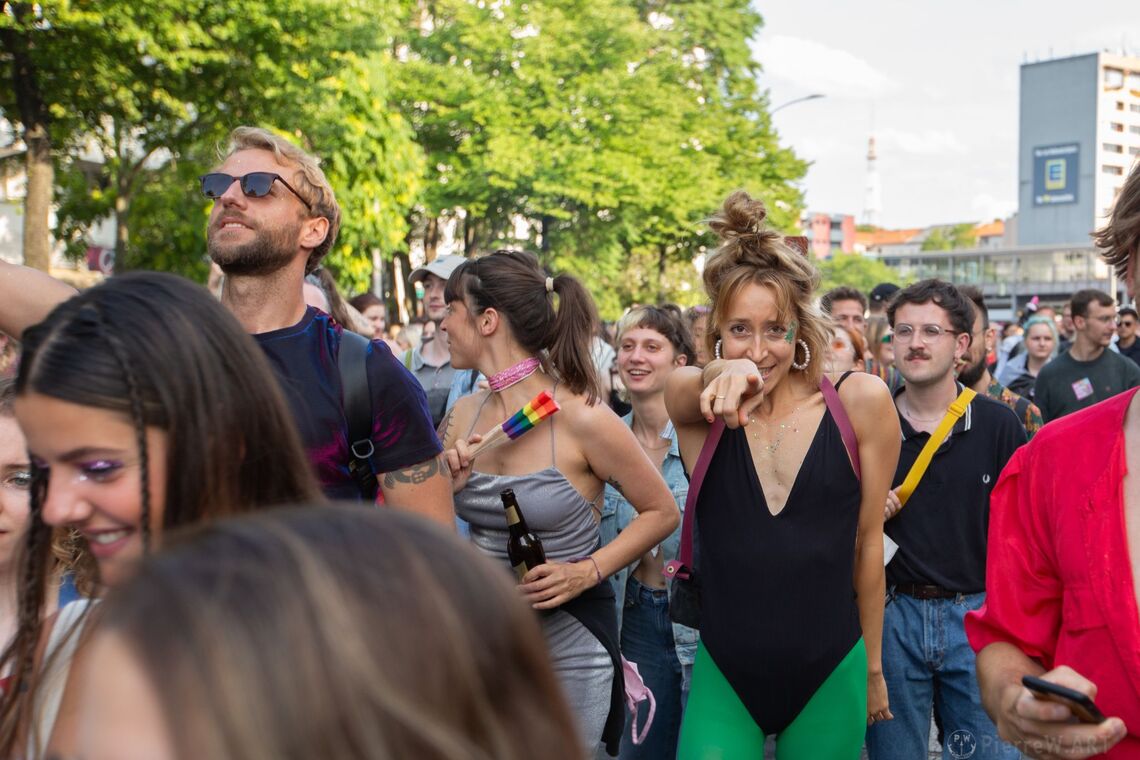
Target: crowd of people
[(829, 518)]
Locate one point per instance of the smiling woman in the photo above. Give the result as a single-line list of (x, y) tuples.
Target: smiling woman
[(803, 660), (145, 407)]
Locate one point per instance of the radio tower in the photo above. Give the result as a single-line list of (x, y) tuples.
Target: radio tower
[(873, 197)]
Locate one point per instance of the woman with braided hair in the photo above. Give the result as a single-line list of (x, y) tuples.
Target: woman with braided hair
[(146, 407), (789, 528)]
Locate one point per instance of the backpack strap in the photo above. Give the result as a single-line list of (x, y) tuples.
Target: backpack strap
[(842, 421), (408, 359), (356, 402), (680, 567)]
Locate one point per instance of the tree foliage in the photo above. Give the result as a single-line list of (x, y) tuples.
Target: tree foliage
[(598, 132), (855, 271), (950, 238)]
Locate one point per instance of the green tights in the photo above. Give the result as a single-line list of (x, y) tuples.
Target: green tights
[(831, 726)]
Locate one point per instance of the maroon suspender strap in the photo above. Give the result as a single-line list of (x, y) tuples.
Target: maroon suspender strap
[(680, 567), (839, 414)]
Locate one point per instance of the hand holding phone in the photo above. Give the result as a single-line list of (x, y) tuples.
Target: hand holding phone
[(1079, 704)]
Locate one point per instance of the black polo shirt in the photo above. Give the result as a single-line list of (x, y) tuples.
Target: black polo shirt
[(941, 532)]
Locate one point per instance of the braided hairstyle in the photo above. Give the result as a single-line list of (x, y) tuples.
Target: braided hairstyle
[(163, 353)]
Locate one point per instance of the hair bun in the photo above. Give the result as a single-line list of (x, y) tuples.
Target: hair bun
[(740, 216)]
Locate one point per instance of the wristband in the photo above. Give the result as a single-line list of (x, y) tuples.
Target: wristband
[(595, 563)]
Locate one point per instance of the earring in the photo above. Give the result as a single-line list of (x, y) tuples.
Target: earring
[(807, 356), (716, 348)]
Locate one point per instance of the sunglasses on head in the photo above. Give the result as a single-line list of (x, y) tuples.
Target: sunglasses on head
[(254, 184)]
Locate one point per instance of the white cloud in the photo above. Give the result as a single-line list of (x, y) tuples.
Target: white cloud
[(930, 142), (989, 207), (815, 67)]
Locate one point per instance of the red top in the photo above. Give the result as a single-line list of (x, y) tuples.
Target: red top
[(1059, 582)]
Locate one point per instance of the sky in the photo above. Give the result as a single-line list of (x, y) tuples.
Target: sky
[(937, 84)]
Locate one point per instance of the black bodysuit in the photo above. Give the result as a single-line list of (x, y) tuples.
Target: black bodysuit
[(778, 610)]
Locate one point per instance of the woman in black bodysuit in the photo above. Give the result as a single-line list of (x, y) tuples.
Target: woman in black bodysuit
[(788, 535)]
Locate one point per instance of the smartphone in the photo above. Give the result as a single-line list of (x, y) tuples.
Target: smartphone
[(1083, 707)]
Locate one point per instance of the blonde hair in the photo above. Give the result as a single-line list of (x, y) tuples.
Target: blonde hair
[(751, 253), (309, 180)]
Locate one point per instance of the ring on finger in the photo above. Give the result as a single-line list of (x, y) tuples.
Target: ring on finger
[(720, 396)]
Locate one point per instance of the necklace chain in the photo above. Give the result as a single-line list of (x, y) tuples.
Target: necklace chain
[(790, 422), (911, 414)]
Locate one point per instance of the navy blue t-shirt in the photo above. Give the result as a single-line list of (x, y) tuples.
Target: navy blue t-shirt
[(304, 358)]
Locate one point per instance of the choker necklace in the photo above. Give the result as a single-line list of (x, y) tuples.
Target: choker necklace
[(500, 381)]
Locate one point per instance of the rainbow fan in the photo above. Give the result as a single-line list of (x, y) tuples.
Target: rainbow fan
[(521, 422)]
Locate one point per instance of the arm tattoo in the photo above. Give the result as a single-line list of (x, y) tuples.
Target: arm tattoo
[(416, 474), (445, 426), (617, 486)]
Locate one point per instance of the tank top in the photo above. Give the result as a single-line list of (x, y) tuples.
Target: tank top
[(778, 609), (552, 507)]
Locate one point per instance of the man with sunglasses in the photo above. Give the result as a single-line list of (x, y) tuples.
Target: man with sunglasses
[(938, 572), (1126, 342), (274, 218)]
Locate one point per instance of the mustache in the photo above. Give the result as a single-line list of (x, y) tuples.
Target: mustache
[(917, 355)]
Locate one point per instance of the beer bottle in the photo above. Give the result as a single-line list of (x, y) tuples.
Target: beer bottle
[(524, 549)]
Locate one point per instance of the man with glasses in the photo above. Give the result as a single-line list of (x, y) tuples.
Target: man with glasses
[(938, 573), (975, 373), (1126, 342), (1087, 373)]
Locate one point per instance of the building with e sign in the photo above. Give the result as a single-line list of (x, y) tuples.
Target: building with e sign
[(1079, 135)]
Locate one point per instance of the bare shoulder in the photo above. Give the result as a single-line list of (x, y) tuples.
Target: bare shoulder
[(868, 402), (458, 419), (583, 417), (862, 386)]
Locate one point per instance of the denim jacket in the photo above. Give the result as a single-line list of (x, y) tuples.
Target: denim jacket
[(617, 513)]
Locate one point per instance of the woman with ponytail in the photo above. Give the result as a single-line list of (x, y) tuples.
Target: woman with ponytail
[(145, 407), (789, 528), (528, 332)]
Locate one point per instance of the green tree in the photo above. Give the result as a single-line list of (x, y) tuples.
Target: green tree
[(950, 238), (612, 127), (163, 82), (855, 271)]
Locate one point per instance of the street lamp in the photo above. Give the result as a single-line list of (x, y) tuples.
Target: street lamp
[(813, 96)]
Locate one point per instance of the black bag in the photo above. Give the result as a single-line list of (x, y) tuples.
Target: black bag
[(685, 601), (685, 583)]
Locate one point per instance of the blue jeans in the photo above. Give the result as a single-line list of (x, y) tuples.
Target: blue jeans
[(928, 664), (647, 641)]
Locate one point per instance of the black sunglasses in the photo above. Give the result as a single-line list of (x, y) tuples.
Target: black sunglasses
[(254, 184)]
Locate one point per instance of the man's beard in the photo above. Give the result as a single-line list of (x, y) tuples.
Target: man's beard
[(970, 375), (267, 253)]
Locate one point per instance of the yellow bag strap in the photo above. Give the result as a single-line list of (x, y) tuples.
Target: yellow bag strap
[(918, 469)]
